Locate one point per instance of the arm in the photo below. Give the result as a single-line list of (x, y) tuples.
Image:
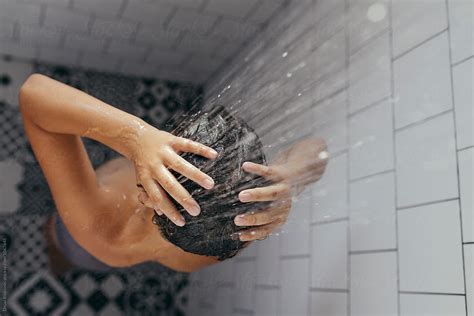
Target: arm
[(294, 169), (55, 117)]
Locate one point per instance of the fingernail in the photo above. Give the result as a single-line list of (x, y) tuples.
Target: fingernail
[(208, 184), (194, 209), (179, 221), (235, 236), (244, 196), (214, 153), (240, 220)]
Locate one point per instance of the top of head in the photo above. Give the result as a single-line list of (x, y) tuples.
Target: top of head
[(209, 233)]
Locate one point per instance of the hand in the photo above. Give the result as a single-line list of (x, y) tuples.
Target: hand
[(155, 153), (295, 168)]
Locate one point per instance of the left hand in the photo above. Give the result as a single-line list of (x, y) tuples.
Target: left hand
[(302, 164)]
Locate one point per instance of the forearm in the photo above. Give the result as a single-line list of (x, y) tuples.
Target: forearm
[(59, 108)]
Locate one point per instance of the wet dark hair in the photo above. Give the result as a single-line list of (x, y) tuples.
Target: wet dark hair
[(209, 233)]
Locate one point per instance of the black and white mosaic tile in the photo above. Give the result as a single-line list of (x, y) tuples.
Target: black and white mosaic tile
[(26, 205)]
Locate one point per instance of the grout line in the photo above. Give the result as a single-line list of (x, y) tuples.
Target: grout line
[(371, 175), (422, 121), (401, 208), (419, 44), (331, 221), (348, 142), (395, 179), (366, 252), (456, 153), (369, 41), (468, 243), (461, 61), (430, 293), (289, 257), (466, 148), (267, 287), (320, 289), (246, 259), (122, 8), (369, 106)]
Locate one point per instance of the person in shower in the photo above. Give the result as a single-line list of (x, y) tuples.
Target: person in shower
[(185, 199)]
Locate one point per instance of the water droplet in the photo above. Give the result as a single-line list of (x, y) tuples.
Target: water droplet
[(377, 12), (284, 54)]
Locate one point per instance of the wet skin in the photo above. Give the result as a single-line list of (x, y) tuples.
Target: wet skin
[(104, 210)]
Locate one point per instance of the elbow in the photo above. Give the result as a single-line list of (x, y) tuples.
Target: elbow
[(27, 89)]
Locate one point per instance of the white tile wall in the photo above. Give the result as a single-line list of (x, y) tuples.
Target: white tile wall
[(372, 214), (469, 266), (329, 303), (379, 73), (17, 73), (433, 305), (328, 193), (296, 232), (294, 279), (329, 256), (461, 26), (373, 281), (422, 90), (463, 102), (426, 17), (466, 176), (370, 73), (371, 140), (426, 162), (430, 246), (244, 277)]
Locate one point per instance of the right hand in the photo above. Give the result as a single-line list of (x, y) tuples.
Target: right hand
[(157, 151)]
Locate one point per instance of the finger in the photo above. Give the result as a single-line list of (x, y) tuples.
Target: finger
[(258, 232), (185, 168), (186, 145), (176, 190), (160, 201), (267, 172), (262, 217), (270, 193), (143, 198)]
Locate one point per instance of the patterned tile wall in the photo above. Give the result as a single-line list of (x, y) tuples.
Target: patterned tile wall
[(389, 228), (141, 37), (26, 204)]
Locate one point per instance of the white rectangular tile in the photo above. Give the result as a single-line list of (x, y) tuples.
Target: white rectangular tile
[(433, 305), (18, 72), (6, 28), (422, 90), (466, 176), (266, 301), (244, 279), (99, 62), (463, 83), (54, 55), (415, 21), (370, 73), (329, 57), (108, 28), (193, 21), (235, 31), (372, 214), (296, 231), (23, 12), (268, 261), (84, 43), (329, 85), (127, 50), (461, 25), (367, 18), (32, 34), (266, 10), (148, 12), (18, 49), (373, 284), (430, 252), (330, 193), (329, 303), (223, 301), (329, 259), (66, 19), (158, 35), (469, 266), (371, 141), (223, 273), (426, 162), (294, 293), (236, 9), (330, 121), (103, 8)]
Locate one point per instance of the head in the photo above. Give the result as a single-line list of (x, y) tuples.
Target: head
[(210, 232)]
